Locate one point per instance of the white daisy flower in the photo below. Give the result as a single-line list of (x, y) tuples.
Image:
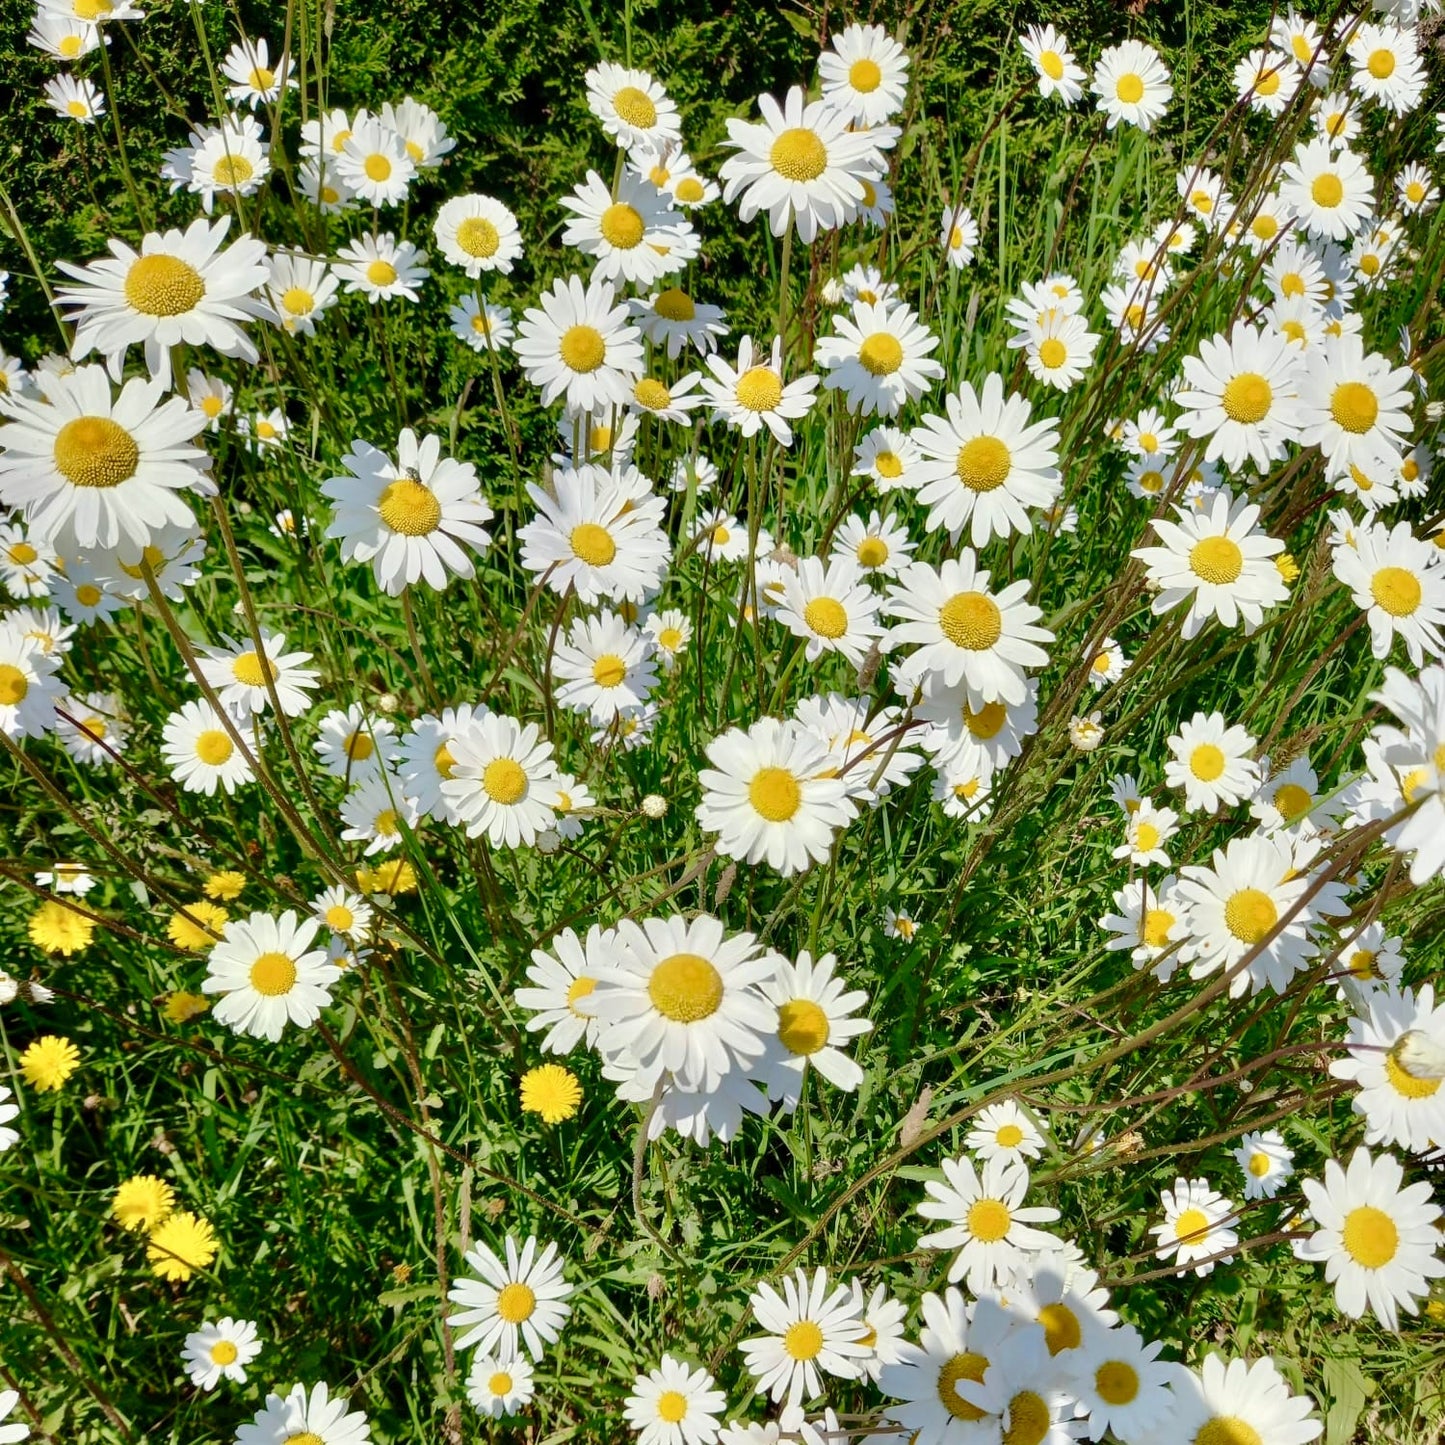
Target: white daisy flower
[(604, 667), (100, 730), (354, 744), (481, 325), (220, 1350), (879, 358), (1120, 1383), (210, 396), (1394, 576), (30, 688), (674, 319), (1132, 84), (1196, 1226), (380, 267), (300, 289), (958, 238), (1328, 188), (1059, 73), (1353, 404), (1266, 1162), (675, 1404), (1152, 923), (517, 1306), (831, 606), (64, 36), (421, 131), (1387, 66), (1004, 1131), (501, 781), (622, 232), (1249, 1400), (239, 675), (1058, 349), (879, 547), (866, 743), (865, 75), (320, 1415), (269, 975), (478, 234), (345, 913), (374, 164), (970, 738), (1210, 761), (253, 78), (76, 100), (226, 160), (200, 753), (496, 1388), (578, 343), (813, 1027), (752, 394), (375, 812), (633, 108)]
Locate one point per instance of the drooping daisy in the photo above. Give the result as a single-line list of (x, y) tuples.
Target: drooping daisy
[(578, 343), (301, 289), (1218, 562), (239, 674), (752, 394), (1196, 1226), (316, 1416), (879, 358), (604, 667), (380, 267), (965, 632), (1266, 1162), (417, 519), (220, 1350), (984, 463), (269, 974), (811, 1331), (499, 1388), (88, 469), (1378, 1242), (1328, 188), (971, 738), (200, 752), (517, 1305), (814, 1025), (633, 108), (1210, 761), (1059, 73), (803, 165), (421, 131), (1394, 575), (1132, 84), (478, 234), (674, 319), (501, 781), (767, 798), (985, 1219), (66, 37), (1240, 392), (832, 607)]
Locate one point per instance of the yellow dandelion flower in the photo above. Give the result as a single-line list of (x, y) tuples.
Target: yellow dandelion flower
[(142, 1202), (224, 886), (60, 929), (196, 932), (180, 1246), (394, 876), (48, 1062), (1287, 567), (180, 1006), (551, 1091)]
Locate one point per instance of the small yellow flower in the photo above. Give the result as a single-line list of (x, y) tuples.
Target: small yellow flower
[(551, 1091), (181, 1246), (394, 876), (1436, 1310), (48, 1062), (1287, 568), (185, 933), (224, 886), (143, 1202), (59, 929), (181, 1007)]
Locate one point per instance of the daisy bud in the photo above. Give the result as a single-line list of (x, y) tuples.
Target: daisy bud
[(654, 805), (388, 702), (1420, 1055)]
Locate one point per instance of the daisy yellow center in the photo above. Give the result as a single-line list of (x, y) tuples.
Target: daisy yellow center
[(1191, 1226), (872, 552), (1326, 190), (1010, 1136), (1370, 1237), (298, 301), (1362, 964), (799, 155), (304, 1437), (381, 273), (652, 394), (1129, 88), (803, 1340), (515, 1302), (1396, 591), (955, 238), (609, 670), (983, 464), (504, 781), (865, 76), (1202, 201), (621, 226), (386, 823), (989, 1220), (971, 620), (262, 78), (1247, 398), (760, 389), (1406, 1084), (674, 305), (444, 762), (88, 594), (223, 1352), (1370, 264), (685, 987), (1101, 663), (478, 237), (377, 167), (1052, 64), (802, 1026), (232, 171), (359, 747), (1061, 1327), (1157, 923), (965, 1366), (77, 108), (13, 685), (339, 917), (671, 1406), (826, 616), (94, 451), (775, 794), (1295, 331), (22, 553), (500, 1383), (69, 46), (1292, 800), (410, 507), (1217, 560), (881, 354), (211, 406), (1206, 762), (579, 988), (1336, 121), (273, 974), (1414, 192), (582, 348), (888, 465), (1381, 64), (1354, 407), (1250, 914), (987, 721), (592, 544), (635, 107), (1146, 837), (1151, 482), (1264, 226), (213, 747), (95, 726), (163, 286), (1227, 1430), (1052, 353), (1259, 1164), (1117, 1382), (689, 190), (669, 639), (248, 669), (1029, 1419)]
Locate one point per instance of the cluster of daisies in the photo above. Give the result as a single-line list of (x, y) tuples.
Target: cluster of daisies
[(104, 463)]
